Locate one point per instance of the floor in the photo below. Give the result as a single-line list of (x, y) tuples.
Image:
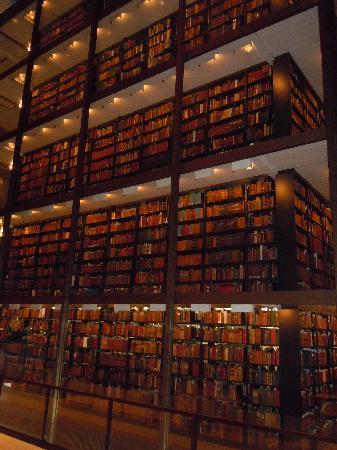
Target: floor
[(8, 443)]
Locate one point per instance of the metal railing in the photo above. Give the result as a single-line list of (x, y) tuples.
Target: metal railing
[(193, 434)]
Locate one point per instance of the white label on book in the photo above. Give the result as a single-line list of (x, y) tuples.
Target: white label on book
[(121, 308), (14, 306), (201, 308), (242, 308), (85, 342)]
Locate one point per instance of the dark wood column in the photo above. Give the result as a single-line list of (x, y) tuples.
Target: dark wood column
[(172, 225), (290, 365), (328, 23), (13, 182), (286, 231), (78, 191), (282, 95), (173, 208)]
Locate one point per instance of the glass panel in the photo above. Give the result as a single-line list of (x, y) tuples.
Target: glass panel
[(22, 408), (28, 340), (135, 427), (81, 422)]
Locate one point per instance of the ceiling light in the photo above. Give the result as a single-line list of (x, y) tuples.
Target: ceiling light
[(30, 16), (20, 78), (243, 164), (249, 47)]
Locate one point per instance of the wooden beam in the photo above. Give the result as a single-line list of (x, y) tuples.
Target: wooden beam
[(327, 25)]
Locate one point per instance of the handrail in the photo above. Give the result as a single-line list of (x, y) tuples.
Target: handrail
[(197, 418)]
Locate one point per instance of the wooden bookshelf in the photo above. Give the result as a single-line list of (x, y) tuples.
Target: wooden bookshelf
[(318, 342), (196, 25), (226, 239), (34, 170), (28, 342), (300, 107), (48, 170), (221, 116), (109, 68), (122, 249), (69, 23), (62, 93), (248, 235), (227, 364), (120, 350), (161, 41), (307, 216), (37, 258), (134, 55)]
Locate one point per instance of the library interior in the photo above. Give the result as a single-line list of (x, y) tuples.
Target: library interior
[(168, 224)]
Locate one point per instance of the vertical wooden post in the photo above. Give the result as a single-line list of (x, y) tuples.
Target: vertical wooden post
[(78, 190), (282, 95), (173, 224), (286, 231), (290, 365), (327, 25), (23, 118)]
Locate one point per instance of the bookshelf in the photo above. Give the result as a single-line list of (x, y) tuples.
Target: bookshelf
[(134, 51), (225, 17), (62, 93), (109, 67), (134, 143), (151, 247), (122, 249), (34, 169), (196, 24), (118, 350), (36, 260), (218, 117), (67, 24), (300, 107), (226, 364), (231, 112), (62, 166), (231, 238), (161, 42), (309, 233), (226, 238), (318, 360), (49, 170), (28, 341)]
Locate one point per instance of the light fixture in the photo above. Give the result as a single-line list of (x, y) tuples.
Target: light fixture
[(248, 48), (20, 78), (251, 166), (30, 16), (243, 164)]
